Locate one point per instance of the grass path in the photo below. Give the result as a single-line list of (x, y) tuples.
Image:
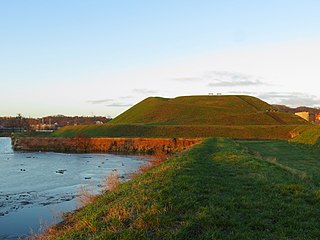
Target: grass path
[(216, 190)]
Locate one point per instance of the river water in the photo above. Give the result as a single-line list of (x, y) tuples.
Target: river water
[(35, 187)]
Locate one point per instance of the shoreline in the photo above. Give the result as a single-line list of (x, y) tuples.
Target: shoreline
[(103, 145), (25, 198)]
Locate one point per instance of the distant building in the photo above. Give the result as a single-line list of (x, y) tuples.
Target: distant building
[(317, 118), (310, 117), (43, 127)]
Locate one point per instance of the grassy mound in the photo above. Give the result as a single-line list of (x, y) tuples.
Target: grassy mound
[(195, 116), (205, 110), (220, 189)]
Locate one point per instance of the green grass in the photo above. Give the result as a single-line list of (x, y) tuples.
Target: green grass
[(205, 110), (299, 159), (232, 116), (195, 116), (182, 131), (308, 135), (221, 189)]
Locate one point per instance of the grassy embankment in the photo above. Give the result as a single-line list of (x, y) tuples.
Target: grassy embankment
[(195, 116), (182, 131), (220, 189), (309, 135)]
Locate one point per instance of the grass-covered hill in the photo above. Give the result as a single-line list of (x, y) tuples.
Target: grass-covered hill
[(205, 110), (195, 116)]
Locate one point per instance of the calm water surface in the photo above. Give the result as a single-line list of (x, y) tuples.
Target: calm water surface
[(35, 187)]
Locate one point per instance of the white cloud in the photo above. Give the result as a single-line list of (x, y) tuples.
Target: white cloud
[(116, 104), (232, 79), (100, 101), (143, 91), (290, 70), (293, 99)]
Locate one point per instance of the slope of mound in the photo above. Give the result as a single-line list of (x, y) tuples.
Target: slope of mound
[(308, 135), (179, 131), (205, 110), (242, 117)]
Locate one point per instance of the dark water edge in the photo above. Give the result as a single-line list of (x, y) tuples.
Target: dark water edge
[(35, 188), (34, 220)]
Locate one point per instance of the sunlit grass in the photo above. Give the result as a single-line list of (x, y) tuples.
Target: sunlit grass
[(231, 116), (220, 189), (205, 110), (308, 135), (183, 131)]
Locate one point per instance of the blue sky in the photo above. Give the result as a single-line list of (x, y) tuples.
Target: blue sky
[(100, 57)]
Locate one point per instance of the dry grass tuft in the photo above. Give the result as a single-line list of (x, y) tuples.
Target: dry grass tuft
[(40, 234), (111, 181), (157, 158), (85, 196)]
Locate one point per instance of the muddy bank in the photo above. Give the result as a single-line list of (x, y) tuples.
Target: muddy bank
[(103, 145)]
